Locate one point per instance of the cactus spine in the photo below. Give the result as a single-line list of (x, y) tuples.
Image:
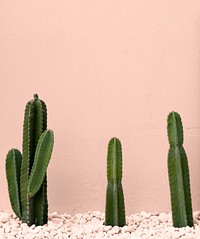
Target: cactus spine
[(26, 173), (178, 171), (115, 209)]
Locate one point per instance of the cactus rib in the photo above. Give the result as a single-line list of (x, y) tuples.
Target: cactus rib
[(28, 155), (40, 127)]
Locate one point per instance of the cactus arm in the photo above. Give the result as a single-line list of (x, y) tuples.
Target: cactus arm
[(176, 188), (41, 161), (115, 210), (13, 167), (28, 154), (186, 183)]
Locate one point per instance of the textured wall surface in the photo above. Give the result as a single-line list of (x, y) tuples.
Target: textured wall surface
[(104, 68)]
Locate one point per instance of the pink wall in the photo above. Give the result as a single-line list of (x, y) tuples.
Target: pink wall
[(104, 68)]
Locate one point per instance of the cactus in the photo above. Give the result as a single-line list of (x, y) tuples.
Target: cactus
[(115, 209), (26, 173), (178, 172)]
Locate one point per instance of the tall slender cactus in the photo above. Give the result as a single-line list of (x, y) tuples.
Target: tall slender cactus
[(26, 173), (115, 209), (178, 171)]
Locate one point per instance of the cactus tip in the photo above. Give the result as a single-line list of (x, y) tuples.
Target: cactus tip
[(35, 96), (114, 139)]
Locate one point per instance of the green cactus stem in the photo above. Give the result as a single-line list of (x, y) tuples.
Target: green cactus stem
[(115, 209), (178, 171), (28, 154)]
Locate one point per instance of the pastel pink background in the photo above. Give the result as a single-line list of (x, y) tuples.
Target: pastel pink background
[(104, 68)]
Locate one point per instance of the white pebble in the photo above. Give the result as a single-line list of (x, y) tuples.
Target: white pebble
[(107, 228), (189, 236), (196, 215), (163, 217)]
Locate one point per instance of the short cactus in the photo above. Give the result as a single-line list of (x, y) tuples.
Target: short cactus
[(26, 173), (115, 209), (178, 171)]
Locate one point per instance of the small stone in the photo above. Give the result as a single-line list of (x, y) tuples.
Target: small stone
[(197, 215), (4, 220), (107, 228), (181, 231), (83, 221), (96, 228), (143, 213), (195, 221), (188, 229), (88, 229), (14, 233), (124, 229), (78, 232), (189, 236), (73, 237), (89, 217), (32, 226), (11, 237), (94, 220), (175, 235), (7, 230), (114, 230), (56, 215), (56, 220), (163, 217)]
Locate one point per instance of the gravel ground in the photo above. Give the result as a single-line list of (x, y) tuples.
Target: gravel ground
[(90, 226)]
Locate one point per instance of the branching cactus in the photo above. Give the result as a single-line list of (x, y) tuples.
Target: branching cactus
[(115, 209), (26, 172), (178, 171)]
